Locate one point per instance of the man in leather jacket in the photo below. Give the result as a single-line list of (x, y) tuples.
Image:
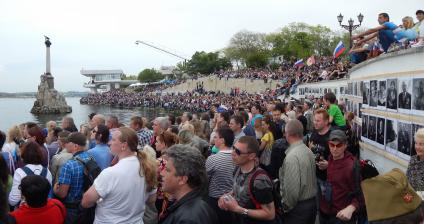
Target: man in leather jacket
[(185, 179)]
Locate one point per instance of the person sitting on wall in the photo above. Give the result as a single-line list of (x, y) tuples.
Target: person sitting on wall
[(384, 32)]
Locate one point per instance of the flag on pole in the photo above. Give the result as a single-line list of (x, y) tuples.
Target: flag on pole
[(310, 61), (299, 63), (340, 48)]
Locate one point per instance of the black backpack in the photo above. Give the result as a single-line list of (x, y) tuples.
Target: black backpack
[(91, 171), (362, 170), (29, 172), (275, 193), (278, 153)]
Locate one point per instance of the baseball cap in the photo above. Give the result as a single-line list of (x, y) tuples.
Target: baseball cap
[(77, 138), (338, 135)]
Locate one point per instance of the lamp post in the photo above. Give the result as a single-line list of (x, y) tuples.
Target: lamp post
[(350, 27)]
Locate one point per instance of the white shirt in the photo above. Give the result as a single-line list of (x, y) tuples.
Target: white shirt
[(15, 193), (9, 147), (123, 193)]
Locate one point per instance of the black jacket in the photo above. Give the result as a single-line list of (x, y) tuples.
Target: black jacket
[(190, 209)]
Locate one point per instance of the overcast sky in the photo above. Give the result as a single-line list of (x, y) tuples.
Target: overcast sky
[(100, 34)]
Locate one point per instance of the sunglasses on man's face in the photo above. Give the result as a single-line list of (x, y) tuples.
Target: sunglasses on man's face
[(333, 145), (238, 151)]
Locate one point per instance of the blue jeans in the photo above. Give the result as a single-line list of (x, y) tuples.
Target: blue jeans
[(71, 216), (386, 38), (359, 57)]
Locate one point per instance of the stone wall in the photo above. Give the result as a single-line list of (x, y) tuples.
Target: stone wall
[(213, 83)]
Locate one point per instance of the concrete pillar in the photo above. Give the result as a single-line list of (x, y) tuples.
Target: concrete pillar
[(48, 71)]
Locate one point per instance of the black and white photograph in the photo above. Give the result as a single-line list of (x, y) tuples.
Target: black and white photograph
[(373, 93), (404, 138), (382, 94), (349, 88), (355, 109), (415, 128), (355, 88), (366, 93), (404, 96), (391, 100), (372, 128), (347, 105), (359, 132), (418, 94), (365, 126), (391, 135), (380, 130)]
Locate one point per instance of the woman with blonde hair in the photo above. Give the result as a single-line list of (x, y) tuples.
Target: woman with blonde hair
[(13, 135), (406, 31), (50, 126), (415, 171), (125, 188)]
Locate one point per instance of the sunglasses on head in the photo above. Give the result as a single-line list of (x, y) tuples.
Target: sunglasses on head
[(238, 152), (333, 145)]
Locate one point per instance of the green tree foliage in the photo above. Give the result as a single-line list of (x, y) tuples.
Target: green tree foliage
[(249, 47), (206, 63), (300, 40), (294, 41), (149, 75)]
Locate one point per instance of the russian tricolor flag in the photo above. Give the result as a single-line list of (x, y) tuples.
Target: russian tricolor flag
[(340, 48), (299, 63)]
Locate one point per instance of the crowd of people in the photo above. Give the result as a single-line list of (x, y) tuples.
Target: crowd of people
[(262, 161), (200, 100), (388, 37), (229, 158)]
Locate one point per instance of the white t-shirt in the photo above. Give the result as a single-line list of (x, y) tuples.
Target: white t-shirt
[(9, 147), (15, 193), (123, 193)]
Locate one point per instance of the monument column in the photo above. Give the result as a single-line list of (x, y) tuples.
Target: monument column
[(49, 100), (48, 43), (48, 73)]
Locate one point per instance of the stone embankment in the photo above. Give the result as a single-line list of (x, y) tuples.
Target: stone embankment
[(213, 83)]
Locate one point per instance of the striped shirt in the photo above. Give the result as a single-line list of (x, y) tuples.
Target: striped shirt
[(220, 168), (297, 176)]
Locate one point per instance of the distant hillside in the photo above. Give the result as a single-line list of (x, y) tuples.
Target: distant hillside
[(32, 94)]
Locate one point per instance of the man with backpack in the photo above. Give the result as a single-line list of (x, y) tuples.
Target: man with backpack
[(251, 199), (70, 185), (339, 197)]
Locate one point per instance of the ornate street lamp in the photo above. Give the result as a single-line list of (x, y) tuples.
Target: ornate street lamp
[(351, 27)]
